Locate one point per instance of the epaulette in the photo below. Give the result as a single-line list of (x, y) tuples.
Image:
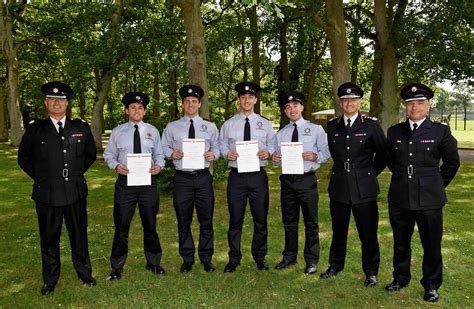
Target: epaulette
[(441, 123), (31, 122), (176, 119), (264, 117), (370, 118), (79, 119), (207, 120), (332, 119)]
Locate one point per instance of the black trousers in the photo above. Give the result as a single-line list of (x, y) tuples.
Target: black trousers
[(254, 187), (366, 217), (300, 191), (125, 201), (430, 227), (194, 190), (50, 221)]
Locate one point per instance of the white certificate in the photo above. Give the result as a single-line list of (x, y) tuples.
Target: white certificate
[(248, 160), (292, 158), (139, 165), (193, 153)]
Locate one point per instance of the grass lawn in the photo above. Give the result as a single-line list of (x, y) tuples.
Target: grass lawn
[(20, 260)]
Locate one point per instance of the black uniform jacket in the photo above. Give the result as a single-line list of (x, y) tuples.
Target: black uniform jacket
[(57, 165), (359, 155), (418, 181)]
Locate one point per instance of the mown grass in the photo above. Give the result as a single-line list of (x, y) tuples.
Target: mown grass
[(20, 261)]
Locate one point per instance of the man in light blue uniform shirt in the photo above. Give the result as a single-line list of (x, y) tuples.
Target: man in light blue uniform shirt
[(135, 136), (193, 187), (253, 186), (300, 190)]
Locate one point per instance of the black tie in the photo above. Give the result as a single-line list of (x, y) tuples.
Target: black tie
[(294, 136), (191, 133), (348, 123), (415, 126), (247, 129), (137, 146), (61, 129)]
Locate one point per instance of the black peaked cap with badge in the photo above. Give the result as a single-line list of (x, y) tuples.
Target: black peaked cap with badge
[(135, 97), (57, 90), (416, 91), (247, 88), (191, 91), (350, 91), (291, 96)]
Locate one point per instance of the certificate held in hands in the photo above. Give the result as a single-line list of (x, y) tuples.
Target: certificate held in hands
[(193, 153), (248, 160), (139, 165), (292, 158)]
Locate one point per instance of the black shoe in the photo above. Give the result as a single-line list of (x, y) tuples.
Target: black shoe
[(90, 281), (262, 265), (156, 269), (330, 272), (116, 274), (47, 289), (284, 264), (208, 267), (431, 296), (310, 269), (370, 281), (395, 286), (231, 266), (186, 267)]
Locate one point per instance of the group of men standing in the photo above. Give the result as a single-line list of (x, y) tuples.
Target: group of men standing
[(57, 151)]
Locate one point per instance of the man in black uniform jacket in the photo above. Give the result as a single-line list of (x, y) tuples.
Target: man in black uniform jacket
[(417, 191), (357, 146), (56, 152)]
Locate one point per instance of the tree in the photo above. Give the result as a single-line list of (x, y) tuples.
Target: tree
[(195, 49)]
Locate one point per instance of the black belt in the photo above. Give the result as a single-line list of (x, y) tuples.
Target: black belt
[(195, 172), (234, 169), (411, 170), (347, 166)]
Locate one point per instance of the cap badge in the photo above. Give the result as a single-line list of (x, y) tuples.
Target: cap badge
[(414, 89), (247, 87), (348, 90), (190, 90), (290, 98), (138, 98), (55, 90)]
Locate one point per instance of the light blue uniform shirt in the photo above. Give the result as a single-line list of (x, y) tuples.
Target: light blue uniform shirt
[(260, 129), (313, 138), (121, 143), (176, 130)]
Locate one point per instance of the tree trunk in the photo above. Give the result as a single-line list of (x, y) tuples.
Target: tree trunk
[(10, 51), (376, 104), (156, 96), (284, 76), (104, 80), (173, 89), (195, 48), (390, 101), (255, 39), (3, 109), (310, 76), (82, 105), (335, 29)]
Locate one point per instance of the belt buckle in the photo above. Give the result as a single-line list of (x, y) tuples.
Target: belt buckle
[(347, 166), (410, 170), (65, 172)]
